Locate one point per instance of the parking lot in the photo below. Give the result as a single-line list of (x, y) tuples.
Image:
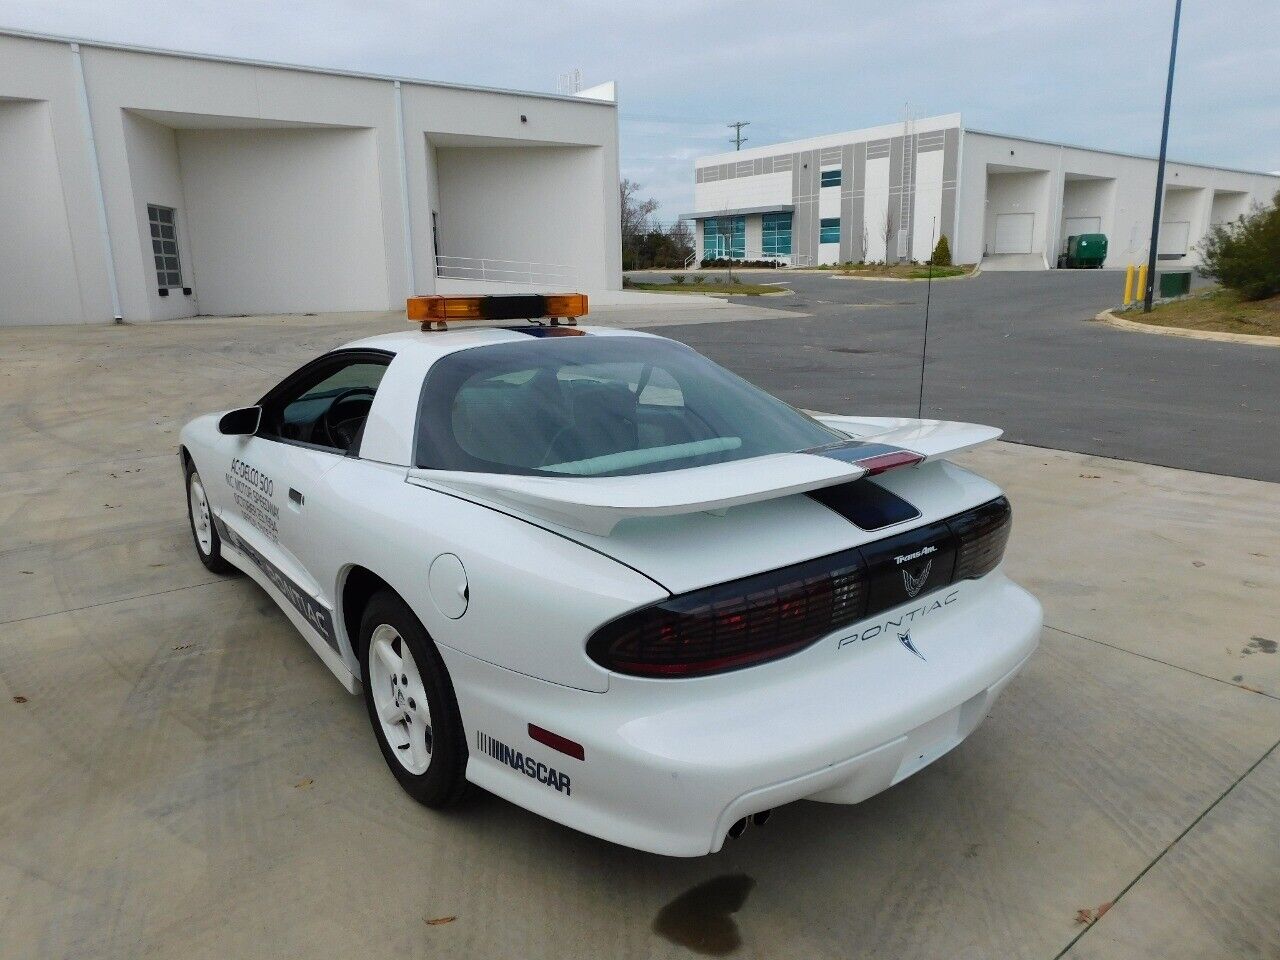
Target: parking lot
[(183, 778), (1015, 349)]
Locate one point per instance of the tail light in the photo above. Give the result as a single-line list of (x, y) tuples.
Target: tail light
[(736, 624), (983, 533), (770, 615)]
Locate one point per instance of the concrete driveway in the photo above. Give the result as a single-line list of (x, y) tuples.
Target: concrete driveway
[(182, 778), (1014, 349)]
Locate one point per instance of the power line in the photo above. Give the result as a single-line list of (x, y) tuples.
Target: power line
[(738, 138)]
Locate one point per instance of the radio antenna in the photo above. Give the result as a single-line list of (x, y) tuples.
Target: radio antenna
[(928, 291)]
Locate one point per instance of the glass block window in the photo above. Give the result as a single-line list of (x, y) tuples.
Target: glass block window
[(831, 178), (775, 234), (830, 230), (164, 244), (724, 237)]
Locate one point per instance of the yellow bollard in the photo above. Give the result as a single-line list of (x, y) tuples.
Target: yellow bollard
[(1128, 285), (1141, 292)]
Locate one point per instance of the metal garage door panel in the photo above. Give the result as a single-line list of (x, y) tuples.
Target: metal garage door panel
[(1174, 235), (1074, 226), (1014, 231)]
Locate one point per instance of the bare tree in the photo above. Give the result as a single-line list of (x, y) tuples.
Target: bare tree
[(866, 240), (888, 234), (635, 212), (681, 237)]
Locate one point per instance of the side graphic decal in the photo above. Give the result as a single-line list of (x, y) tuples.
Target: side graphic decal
[(315, 614)]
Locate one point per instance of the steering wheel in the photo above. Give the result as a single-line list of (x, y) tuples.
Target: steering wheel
[(340, 429)]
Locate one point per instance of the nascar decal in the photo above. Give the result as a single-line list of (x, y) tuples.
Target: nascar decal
[(525, 764), (254, 493), (314, 613)]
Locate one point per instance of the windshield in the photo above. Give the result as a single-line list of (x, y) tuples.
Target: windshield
[(598, 406)]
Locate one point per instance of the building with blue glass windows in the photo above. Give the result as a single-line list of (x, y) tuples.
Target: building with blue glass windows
[(885, 194)]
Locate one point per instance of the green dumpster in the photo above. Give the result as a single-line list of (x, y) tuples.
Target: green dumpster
[(1084, 251), (1175, 283)]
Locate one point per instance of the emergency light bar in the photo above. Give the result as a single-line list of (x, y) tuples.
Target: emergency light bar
[(433, 312)]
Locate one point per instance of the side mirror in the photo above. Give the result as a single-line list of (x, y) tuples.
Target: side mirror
[(241, 423)]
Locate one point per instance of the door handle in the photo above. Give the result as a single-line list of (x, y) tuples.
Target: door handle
[(296, 496)]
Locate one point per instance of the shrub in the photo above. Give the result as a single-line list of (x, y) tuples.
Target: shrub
[(698, 279), (721, 263), (942, 252), (1244, 255), (678, 278)]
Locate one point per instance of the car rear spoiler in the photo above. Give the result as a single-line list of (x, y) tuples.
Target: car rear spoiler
[(597, 504), (933, 439)]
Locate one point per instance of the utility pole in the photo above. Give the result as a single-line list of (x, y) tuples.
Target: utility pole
[(1164, 142), (738, 138)]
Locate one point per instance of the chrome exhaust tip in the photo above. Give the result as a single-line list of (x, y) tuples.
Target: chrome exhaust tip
[(738, 829), (761, 818)]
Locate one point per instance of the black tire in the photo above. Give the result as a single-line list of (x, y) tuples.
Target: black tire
[(443, 783), (212, 557)]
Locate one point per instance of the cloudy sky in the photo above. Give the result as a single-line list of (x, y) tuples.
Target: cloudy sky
[(1078, 71)]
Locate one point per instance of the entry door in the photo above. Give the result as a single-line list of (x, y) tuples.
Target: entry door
[(1174, 235), (310, 423), (1014, 232)]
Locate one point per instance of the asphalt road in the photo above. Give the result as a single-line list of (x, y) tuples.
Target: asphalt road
[(1015, 350)]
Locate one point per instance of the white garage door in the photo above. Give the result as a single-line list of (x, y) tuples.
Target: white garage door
[(1013, 232), (1174, 235), (1074, 226)]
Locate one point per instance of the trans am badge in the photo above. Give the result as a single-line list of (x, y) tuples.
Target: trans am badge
[(914, 585), (905, 640)]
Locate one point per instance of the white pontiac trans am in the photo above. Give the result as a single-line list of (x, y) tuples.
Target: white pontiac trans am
[(596, 574)]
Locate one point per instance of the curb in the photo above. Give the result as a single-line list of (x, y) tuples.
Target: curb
[(854, 276), (1254, 339), (715, 293)]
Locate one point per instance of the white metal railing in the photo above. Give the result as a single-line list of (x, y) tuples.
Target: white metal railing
[(493, 270)]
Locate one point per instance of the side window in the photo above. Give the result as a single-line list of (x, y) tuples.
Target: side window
[(327, 409)]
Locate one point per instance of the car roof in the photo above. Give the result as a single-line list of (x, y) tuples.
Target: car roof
[(389, 427), (430, 345)]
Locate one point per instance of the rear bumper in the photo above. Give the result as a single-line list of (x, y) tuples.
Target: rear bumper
[(669, 766)]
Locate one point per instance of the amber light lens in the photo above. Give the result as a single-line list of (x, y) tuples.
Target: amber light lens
[(566, 304), (421, 309)]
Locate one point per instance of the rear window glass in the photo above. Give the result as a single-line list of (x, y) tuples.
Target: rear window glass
[(598, 406)]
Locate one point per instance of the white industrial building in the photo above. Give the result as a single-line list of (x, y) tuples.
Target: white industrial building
[(883, 192), (147, 185)]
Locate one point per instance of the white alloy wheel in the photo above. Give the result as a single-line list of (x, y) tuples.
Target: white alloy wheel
[(400, 699), (201, 521)]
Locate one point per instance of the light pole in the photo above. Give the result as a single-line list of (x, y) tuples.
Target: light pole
[(1164, 143)]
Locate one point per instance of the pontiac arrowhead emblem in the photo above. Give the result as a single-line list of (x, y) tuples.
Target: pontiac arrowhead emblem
[(905, 640), (914, 585)]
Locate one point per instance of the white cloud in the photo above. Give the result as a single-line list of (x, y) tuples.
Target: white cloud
[(1072, 70)]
